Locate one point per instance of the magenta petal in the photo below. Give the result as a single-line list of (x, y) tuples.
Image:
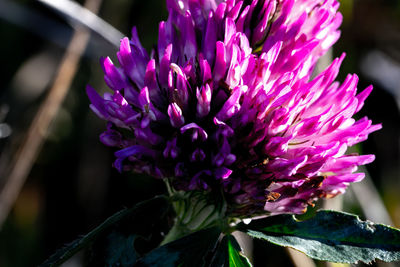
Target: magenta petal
[(112, 75), (175, 115), (140, 53), (210, 39), (220, 62), (97, 102), (181, 86), (340, 182), (277, 146), (362, 96), (197, 131), (261, 30), (286, 167), (132, 151), (222, 172), (125, 58), (111, 137), (171, 149), (347, 163), (241, 20), (144, 98), (205, 71), (190, 49), (235, 11), (203, 100), (133, 63), (164, 65), (231, 106), (150, 79)]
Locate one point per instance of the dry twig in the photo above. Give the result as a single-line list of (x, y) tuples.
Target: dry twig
[(30, 148)]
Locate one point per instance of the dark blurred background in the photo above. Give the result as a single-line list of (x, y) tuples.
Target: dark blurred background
[(72, 187)]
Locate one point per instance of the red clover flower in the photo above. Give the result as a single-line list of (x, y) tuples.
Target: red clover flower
[(227, 101)]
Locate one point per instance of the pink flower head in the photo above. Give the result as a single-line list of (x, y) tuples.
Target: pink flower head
[(226, 100)]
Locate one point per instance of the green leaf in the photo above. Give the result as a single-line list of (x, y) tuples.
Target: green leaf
[(236, 258), (121, 250), (330, 236), (229, 254), (191, 250), (157, 205)]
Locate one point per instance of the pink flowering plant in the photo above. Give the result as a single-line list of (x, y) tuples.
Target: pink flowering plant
[(228, 111)]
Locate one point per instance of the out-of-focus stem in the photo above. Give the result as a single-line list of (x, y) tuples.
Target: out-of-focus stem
[(87, 18), (372, 205), (299, 259), (369, 200), (30, 148)]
